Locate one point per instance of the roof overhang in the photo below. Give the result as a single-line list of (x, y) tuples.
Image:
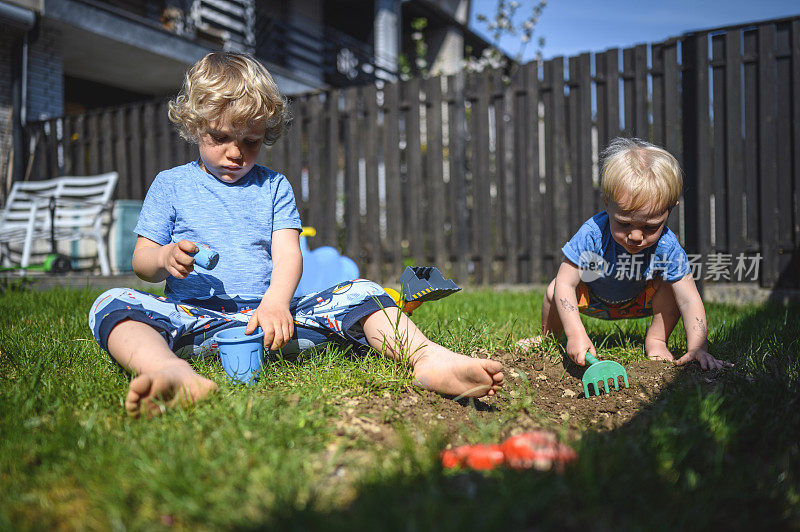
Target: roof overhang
[(113, 49)]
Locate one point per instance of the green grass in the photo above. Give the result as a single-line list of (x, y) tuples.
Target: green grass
[(268, 456)]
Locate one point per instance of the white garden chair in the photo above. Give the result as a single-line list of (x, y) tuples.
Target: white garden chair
[(67, 208)]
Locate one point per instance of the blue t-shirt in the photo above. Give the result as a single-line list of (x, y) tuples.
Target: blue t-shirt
[(613, 274), (234, 219)]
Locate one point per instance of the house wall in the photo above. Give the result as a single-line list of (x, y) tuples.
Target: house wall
[(45, 88), (9, 42), (45, 75)]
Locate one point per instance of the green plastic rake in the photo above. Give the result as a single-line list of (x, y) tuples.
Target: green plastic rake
[(600, 371)]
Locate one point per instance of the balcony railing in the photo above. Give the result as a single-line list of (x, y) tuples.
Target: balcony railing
[(320, 51), (297, 44)]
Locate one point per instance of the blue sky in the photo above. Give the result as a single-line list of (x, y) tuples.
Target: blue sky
[(574, 26)]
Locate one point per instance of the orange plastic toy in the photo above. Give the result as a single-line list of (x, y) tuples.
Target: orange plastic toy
[(539, 450)]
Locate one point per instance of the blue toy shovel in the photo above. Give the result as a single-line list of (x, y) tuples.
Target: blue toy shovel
[(600, 371)]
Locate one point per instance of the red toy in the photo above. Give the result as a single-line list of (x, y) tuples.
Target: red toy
[(536, 449)]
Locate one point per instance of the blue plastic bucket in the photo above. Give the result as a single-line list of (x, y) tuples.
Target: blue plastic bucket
[(241, 354)]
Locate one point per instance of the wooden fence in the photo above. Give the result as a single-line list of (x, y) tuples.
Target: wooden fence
[(487, 175)]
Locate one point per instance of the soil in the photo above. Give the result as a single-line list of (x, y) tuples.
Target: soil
[(555, 401)]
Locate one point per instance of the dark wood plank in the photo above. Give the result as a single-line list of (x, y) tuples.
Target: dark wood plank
[(532, 176), (166, 155), (317, 201), (556, 163), (351, 187), (414, 189), (629, 91), (497, 193), (657, 105), (33, 163), (795, 51), (697, 148), (510, 175), (734, 149), (608, 96), (121, 164), (294, 155), (549, 211), (328, 233), (149, 131), (784, 229), (591, 202), (53, 141), (69, 152), (767, 167), (642, 122), (520, 178), (672, 137), (372, 230), (751, 139), (457, 150), (107, 150), (394, 192), (81, 144), (571, 142), (184, 151), (480, 176), (189, 151), (719, 198), (137, 188), (434, 171)]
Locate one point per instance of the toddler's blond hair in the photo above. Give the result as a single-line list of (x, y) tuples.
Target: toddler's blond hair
[(230, 85), (642, 175)]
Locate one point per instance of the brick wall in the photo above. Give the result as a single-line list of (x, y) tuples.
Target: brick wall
[(9, 37), (45, 75)]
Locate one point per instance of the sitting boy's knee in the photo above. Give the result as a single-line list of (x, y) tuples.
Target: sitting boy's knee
[(108, 296), (368, 288), (104, 300)]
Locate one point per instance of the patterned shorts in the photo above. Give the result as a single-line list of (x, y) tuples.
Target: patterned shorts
[(189, 326), (638, 307)]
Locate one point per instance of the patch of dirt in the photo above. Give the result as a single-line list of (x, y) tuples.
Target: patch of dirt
[(540, 393)]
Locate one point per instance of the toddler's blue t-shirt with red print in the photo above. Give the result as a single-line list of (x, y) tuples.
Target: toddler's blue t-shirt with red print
[(613, 274), (234, 219)]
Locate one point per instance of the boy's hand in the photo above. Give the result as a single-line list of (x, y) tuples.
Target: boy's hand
[(276, 322), (577, 347), (177, 260), (704, 358)]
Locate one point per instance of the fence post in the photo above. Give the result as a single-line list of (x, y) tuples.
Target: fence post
[(481, 217), (434, 157), (533, 202), (696, 145), (371, 234), (795, 97), (352, 215), (394, 192), (733, 142), (457, 151), (328, 233), (767, 163), (557, 188), (508, 179)]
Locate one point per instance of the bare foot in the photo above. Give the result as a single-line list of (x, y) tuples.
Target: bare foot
[(657, 350), (174, 384), (529, 344), (440, 370)]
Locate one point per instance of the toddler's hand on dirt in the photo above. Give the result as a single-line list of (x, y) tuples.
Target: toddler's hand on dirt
[(703, 358), (177, 260), (276, 322), (577, 348)]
